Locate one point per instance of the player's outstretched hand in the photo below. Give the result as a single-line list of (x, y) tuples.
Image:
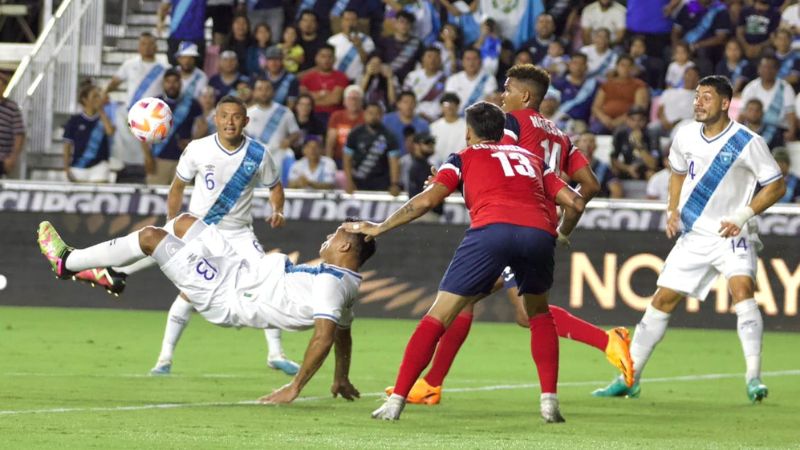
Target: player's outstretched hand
[(371, 229), (346, 389), (673, 224), (276, 220), (728, 229), (430, 178), (285, 394)]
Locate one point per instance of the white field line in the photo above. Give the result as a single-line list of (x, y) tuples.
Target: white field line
[(500, 387)]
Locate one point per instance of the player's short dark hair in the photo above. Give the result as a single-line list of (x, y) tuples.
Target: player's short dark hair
[(364, 248), (487, 120), (533, 76), (232, 99), (721, 84)]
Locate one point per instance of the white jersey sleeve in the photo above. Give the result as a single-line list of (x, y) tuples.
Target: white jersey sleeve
[(677, 161), (760, 160), (187, 168), (329, 298), (268, 173)]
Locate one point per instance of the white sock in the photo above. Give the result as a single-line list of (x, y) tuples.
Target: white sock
[(139, 265), (649, 332), (274, 345), (750, 326), (116, 252), (178, 318)]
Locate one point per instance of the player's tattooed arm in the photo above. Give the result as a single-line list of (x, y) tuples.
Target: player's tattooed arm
[(415, 207)]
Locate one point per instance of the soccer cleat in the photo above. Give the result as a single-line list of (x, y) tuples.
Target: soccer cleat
[(54, 249), (284, 364), (113, 282), (161, 368), (421, 393), (617, 388), (391, 408), (548, 407), (756, 390), (618, 352)]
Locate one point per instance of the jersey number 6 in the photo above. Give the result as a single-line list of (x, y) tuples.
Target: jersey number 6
[(523, 166)]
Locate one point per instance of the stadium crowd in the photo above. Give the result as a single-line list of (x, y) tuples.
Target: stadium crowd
[(368, 94)]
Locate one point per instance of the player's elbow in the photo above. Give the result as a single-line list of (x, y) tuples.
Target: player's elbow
[(590, 189), (578, 205)]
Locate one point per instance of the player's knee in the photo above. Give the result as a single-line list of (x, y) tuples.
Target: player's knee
[(149, 237), (182, 224), (666, 300), (741, 289)]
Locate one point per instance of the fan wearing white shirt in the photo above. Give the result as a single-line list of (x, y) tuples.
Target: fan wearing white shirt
[(427, 84), (471, 84), (776, 95), (351, 47), (600, 58), (193, 79), (675, 105), (313, 171), (449, 131), (716, 164), (604, 13)]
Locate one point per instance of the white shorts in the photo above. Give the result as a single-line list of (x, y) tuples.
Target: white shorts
[(244, 242), (224, 286), (696, 261)]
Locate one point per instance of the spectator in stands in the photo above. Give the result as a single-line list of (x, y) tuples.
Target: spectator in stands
[(675, 105), (161, 159), (427, 83), (273, 125), (313, 170), (379, 83), (269, 12), (790, 19), (545, 34), (577, 92), (449, 44), (415, 166), (471, 84), (208, 102), (293, 53), (86, 139), (310, 38), (284, 84), (187, 23), (403, 117), (12, 130), (142, 75), (371, 156), (645, 67), (351, 47), (324, 84), (321, 10), (226, 81), (753, 118), (343, 121), (634, 157), (240, 39), (549, 105), (606, 14), (221, 14), (466, 18), (244, 90), (776, 95), (610, 187), (402, 49), (658, 185), (489, 45), (735, 66), (256, 56), (193, 80), (792, 182), (705, 25), (556, 60), (680, 62), (309, 123), (449, 131), (600, 58), (756, 26), (649, 20), (616, 96), (788, 59), (426, 19)]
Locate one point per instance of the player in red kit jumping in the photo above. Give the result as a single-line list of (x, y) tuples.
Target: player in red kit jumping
[(524, 89), (509, 192)]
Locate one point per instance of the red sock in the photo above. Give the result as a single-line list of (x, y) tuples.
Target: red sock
[(544, 349), (448, 347), (572, 327), (419, 352)]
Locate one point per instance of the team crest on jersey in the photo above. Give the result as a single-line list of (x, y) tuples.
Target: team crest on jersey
[(249, 166), (726, 157)]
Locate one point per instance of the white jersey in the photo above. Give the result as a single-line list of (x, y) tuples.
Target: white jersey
[(142, 79), (598, 64), (449, 138), (470, 91), (594, 17), (776, 106), (211, 167), (428, 90), (197, 80), (325, 172), (721, 173), (271, 125), (347, 58)]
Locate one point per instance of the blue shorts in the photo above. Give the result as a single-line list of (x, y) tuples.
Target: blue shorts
[(485, 252)]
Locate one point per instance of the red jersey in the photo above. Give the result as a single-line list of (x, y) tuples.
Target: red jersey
[(316, 81), (533, 132), (503, 184)]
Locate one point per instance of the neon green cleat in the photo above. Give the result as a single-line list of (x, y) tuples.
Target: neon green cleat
[(54, 249), (617, 388), (756, 390)]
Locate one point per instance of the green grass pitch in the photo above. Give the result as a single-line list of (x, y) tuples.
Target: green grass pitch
[(76, 378)]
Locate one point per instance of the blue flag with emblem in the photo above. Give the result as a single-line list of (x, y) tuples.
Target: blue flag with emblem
[(179, 116), (282, 91), (477, 93), (144, 85), (705, 188), (272, 123), (702, 27), (239, 181), (93, 146)]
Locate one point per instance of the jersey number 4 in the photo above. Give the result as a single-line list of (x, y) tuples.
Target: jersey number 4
[(522, 166), (552, 155)]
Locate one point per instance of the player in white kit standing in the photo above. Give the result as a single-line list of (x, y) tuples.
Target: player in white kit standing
[(716, 163)]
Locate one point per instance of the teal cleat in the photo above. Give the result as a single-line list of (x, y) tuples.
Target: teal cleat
[(162, 368), (756, 390), (285, 365), (617, 388)]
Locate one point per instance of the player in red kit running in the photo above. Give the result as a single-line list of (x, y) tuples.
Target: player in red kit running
[(509, 192), (524, 89)]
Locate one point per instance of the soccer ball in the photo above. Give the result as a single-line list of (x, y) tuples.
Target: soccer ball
[(150, 120)]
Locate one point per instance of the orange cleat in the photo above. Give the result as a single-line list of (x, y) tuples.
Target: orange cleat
[(421, 393), (618, 352)]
